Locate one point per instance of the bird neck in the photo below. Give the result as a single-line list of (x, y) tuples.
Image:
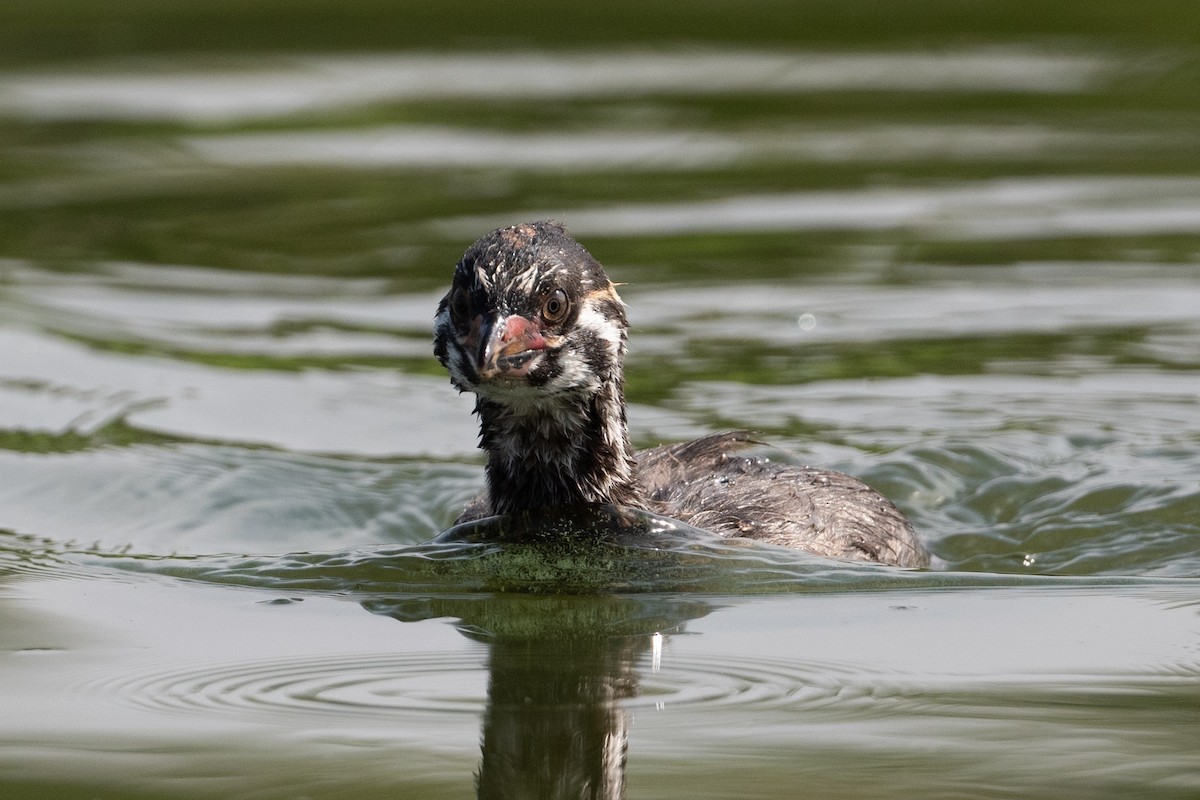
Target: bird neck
[(570, 450)]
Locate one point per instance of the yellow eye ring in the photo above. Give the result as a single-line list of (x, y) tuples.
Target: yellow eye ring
[(556, 306)]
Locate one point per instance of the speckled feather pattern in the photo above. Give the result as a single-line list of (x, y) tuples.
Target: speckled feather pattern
[(705, 483), (560, 436)]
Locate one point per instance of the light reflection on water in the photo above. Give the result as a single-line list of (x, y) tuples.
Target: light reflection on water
[(966, 274), (894, 678), (424, 148), (307, 84), (998, 210)]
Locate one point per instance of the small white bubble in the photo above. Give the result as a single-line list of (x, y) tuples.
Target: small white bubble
[(1030, 558), (806, 322)]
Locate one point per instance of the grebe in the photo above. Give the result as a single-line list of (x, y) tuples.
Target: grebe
[(534, 328)]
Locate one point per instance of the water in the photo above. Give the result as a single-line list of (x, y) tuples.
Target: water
[(955, 257)]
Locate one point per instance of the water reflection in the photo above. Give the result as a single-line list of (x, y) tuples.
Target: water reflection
[(561, 667), (186, 91), (1008, 209), (561, 672)]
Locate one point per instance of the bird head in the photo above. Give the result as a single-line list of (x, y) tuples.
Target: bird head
[(530, 317)]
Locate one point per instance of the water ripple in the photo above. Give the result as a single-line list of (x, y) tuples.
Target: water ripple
[(348, 685), (388, 685), (742, 681), (317, 83)]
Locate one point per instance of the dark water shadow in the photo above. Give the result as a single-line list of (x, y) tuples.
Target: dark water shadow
[(561, 671), (561, 667)]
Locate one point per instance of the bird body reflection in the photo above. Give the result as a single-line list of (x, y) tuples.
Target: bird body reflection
[(562, 669), (554, 725)]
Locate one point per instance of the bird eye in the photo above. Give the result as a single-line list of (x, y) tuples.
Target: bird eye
[(460, 303), (556, 306)]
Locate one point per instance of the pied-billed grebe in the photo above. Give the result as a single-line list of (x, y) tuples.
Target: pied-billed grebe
[(533, 326)]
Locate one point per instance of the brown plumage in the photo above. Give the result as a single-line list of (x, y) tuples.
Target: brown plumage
[(535, 329), (704, 484)]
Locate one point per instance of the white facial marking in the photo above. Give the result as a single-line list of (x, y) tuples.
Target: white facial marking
[(605, 329), (482, 277), (525, 281)]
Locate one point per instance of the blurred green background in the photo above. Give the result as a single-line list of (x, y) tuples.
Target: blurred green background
[(87, 185)]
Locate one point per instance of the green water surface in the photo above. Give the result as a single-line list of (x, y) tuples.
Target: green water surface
[(951, 248)]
